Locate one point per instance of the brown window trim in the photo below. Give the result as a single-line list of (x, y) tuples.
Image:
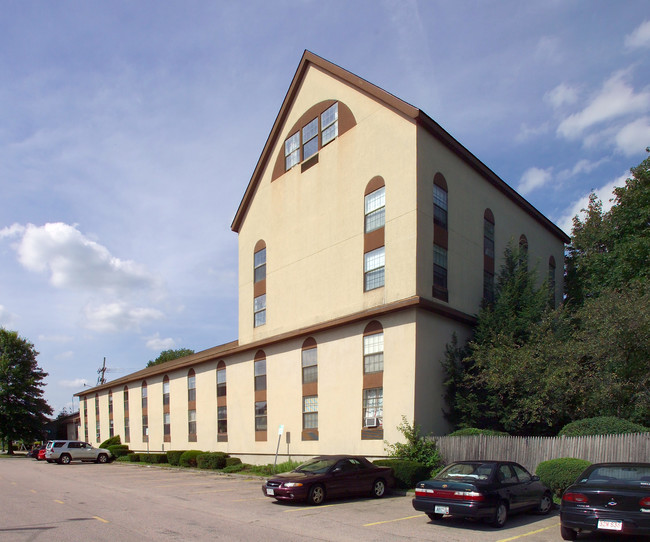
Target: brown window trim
[(309, 434), (260, 436)]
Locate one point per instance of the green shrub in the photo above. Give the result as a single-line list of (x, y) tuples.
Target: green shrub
[(407, 473), (558, 474), (134, 458), (119, 450), (111, 442), (237, 467), (174, 457), (211, 460), (476, 431), (416, 448), (188, 459), (231, 461), (602, 425), (124, 458), (153, 458)]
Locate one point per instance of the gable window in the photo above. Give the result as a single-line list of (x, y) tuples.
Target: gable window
[(310, 139), (329, 122), (292, 151), (259, 310), (375, 210), (374, 265)]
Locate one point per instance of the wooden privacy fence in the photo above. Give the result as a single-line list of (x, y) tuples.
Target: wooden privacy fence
[(531, 451)]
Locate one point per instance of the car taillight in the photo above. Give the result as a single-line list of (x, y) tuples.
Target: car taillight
[(645, 502), (449, 494), (575, 497)]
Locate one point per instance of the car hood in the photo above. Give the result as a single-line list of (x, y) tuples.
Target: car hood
[(289, 476)]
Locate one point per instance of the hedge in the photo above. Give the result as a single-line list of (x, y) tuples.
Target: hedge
[(602, 425), (406, 473), (558, 474), (232, 461), (174, 457), (211, 460), (188, 459), (119, 450), (111, 442), (476, 431)]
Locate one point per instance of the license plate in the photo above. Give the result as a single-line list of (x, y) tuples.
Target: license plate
[(269, 491), (610, 525), (441, 510)]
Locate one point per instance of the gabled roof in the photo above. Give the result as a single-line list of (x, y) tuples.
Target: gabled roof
[(418, 116)]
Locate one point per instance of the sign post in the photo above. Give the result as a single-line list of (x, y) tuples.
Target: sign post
[(280, 431)]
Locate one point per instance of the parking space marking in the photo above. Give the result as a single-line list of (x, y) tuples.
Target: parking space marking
[(255, 499), (392, 520), (530, 533), (213, 491), (101, 519), (60, 502), (33, 491)]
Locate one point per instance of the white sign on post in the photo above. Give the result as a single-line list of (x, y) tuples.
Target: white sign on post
[(280, 430)]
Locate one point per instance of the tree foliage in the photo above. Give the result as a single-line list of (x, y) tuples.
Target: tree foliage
[(23, 411), (530, 369), (416, 448), (169, 355)]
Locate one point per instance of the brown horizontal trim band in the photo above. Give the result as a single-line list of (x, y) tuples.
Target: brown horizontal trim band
[(212, 354)]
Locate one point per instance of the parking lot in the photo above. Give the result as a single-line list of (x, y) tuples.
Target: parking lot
[(130, 502)]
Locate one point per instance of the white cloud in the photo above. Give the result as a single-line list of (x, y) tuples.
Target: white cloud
[(532, 179), (605, 193), (112, 317), (74, 261), (7, 319), (76, 383), (68, 354), (561, 95), (640, 37), (634, 137), (55, 338), (158, 344), (615, 99)]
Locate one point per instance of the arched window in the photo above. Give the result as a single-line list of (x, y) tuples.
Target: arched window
[(309, 365), (259, 284), (488, 256), (440, 237), (373, 382), (191, 405), (222, 407), (127, 429), (97, 424), (111, 426), (145, 412), (167, 422), (259, 385), (374, 258)]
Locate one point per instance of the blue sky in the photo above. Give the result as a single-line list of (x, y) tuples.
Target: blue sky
[(129, 131)]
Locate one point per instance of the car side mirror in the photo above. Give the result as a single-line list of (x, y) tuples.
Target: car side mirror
[(337, 470), (535, 478)]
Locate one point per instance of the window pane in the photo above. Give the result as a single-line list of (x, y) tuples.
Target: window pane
[(440, 256), (260, 257), (373, 403), (221, 376), (310, 374), (292, 159), (375, 220), (440, 197), (292, 144), (373, 343), (310, 148), (260, 383), (330, 116), (309, 357), (310, 404), (311, 130), (373, 363), (375, 259), (259, 303), (191, 382), (260, 367), (260, 318), (375, 200), (374, 279), (330, 133), (310, 420)]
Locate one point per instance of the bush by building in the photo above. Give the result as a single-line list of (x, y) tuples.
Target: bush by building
[(558, 474), (601, 425), (468, 431), (174, 457), (211, 460), (406, 472), (188, 458)]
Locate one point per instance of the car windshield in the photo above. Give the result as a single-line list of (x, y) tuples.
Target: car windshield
[(316, 466), (472, 471), (632, 474)]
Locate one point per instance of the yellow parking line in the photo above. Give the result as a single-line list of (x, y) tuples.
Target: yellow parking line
[(392, 520), (33, 491), (100, 519), (212, 491), (60, 502), (530, 533)]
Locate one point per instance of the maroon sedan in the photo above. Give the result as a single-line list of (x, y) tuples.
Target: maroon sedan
[(330, 476)]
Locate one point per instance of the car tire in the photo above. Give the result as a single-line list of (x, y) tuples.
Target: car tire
[(500, 515), (102, 458), (316, 495), (545, 504), (64, 459), (435, 517), (568, 534), (50, 460), (379, 488)]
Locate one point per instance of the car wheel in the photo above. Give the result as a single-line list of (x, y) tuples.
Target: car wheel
[(500, 515), (435, 517), (102, 458), (64, 459), (545, 504), (316, 495), (378, 488), (568, 534)]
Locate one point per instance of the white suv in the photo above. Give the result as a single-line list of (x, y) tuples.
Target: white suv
[(64, 451)]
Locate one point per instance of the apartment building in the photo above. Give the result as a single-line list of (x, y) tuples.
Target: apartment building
[(367, 236)]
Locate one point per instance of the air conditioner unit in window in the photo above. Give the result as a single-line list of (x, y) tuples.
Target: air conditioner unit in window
[(371, 422)]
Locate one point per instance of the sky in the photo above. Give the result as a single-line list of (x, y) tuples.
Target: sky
[(130, 130)]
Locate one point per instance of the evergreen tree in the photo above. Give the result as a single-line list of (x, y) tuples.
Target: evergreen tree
[(23, 411)]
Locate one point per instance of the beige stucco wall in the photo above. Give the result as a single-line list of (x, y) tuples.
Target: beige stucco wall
[(313, 222)]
